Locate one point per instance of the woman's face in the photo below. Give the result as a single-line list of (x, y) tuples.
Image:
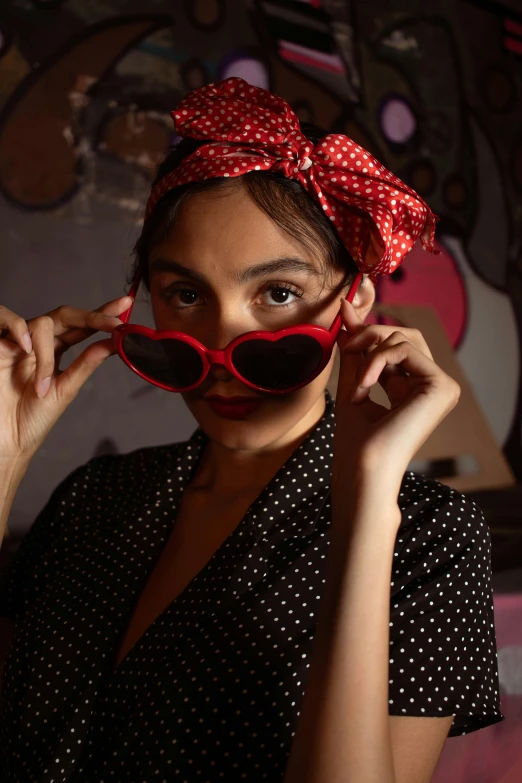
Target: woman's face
[(199, 285)]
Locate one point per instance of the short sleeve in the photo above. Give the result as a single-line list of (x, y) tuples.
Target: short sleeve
[(443, 653), (19, 579)]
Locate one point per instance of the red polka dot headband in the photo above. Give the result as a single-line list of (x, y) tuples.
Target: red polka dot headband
[(377, 216)]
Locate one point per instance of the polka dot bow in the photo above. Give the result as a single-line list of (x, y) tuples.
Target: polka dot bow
[(377, 216)]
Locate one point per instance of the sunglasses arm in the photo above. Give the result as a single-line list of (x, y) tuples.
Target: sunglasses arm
[(125, 317), (336, 326)]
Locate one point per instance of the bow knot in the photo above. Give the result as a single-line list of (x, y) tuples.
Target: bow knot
[(245, 128)]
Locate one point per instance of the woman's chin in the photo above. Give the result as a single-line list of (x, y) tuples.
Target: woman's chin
[(246, 427)]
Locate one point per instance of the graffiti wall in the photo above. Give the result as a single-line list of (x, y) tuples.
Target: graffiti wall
[(432, 89)]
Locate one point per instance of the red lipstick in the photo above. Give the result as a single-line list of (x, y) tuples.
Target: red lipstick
[(232, 407), (226, 398)]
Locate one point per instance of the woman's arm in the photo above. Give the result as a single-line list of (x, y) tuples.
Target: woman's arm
[(11, 475), (343, 733)]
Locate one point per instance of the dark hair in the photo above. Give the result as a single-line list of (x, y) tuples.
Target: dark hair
[(282, 199)]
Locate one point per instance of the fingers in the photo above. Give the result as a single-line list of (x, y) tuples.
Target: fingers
[(81, 324), (50, 335), (361, 337), (14, 327), (351, 321), (369, 340), (66, 317), (70, 381), (73, 325), (393, 352), (77, 324), (43, 344)]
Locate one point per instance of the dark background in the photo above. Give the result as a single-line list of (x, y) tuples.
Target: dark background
[(432, 88)]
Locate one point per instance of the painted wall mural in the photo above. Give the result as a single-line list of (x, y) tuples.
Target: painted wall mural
[(433, 91), (433, 88), (86, 90)]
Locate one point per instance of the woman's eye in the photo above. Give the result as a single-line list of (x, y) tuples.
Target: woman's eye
[(170, 293), (282, 291), (279, 293)]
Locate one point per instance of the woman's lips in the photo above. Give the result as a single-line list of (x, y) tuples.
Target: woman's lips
[(233, 410), (230, 398)]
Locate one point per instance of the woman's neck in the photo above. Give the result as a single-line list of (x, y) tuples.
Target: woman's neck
[(226, 473)]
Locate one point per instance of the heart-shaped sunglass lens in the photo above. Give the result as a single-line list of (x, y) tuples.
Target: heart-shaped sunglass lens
[(278, 365), (171, 362)]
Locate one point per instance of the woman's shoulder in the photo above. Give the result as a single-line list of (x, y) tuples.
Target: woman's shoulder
[(423, 499), (97, 495), (442, 609), (107, 477), (440, 526), (149, 460)]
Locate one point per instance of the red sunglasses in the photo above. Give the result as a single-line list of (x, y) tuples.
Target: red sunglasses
[(275, 362)]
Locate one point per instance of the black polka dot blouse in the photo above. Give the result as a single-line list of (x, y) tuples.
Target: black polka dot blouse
[(212, 690)]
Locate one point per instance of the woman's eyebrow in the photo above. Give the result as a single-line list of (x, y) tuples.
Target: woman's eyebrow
[(271, 266)]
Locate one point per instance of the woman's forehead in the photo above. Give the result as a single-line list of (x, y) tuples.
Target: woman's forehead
[(229, 232)]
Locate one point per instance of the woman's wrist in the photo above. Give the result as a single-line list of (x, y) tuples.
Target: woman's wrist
[(11, 474), (368, 503)]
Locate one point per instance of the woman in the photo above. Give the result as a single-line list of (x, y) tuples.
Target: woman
[(256, 638)]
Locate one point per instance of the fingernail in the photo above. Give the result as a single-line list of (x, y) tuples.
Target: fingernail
[(28, 343), (42, 387), (359, 394)]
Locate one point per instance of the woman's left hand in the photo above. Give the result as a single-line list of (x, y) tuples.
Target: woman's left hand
[(372, 442)]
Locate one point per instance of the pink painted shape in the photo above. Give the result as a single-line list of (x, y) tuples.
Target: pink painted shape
[(332, 64), (494, 754), (398, 121), (514, 775), (251, 70), (513, 27), (432, 281), (513, 45)]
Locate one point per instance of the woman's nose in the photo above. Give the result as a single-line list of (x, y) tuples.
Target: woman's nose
[(217, 338), (218, 341), (220, 372)]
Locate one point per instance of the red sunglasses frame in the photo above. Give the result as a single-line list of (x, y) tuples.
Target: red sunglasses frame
[(325, 337)]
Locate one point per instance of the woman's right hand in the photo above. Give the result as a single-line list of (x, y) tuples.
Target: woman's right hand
[(34, 392)]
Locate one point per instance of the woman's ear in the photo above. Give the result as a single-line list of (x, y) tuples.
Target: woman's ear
[(364, 299)]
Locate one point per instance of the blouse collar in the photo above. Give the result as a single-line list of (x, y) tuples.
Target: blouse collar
[(292, 501)]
